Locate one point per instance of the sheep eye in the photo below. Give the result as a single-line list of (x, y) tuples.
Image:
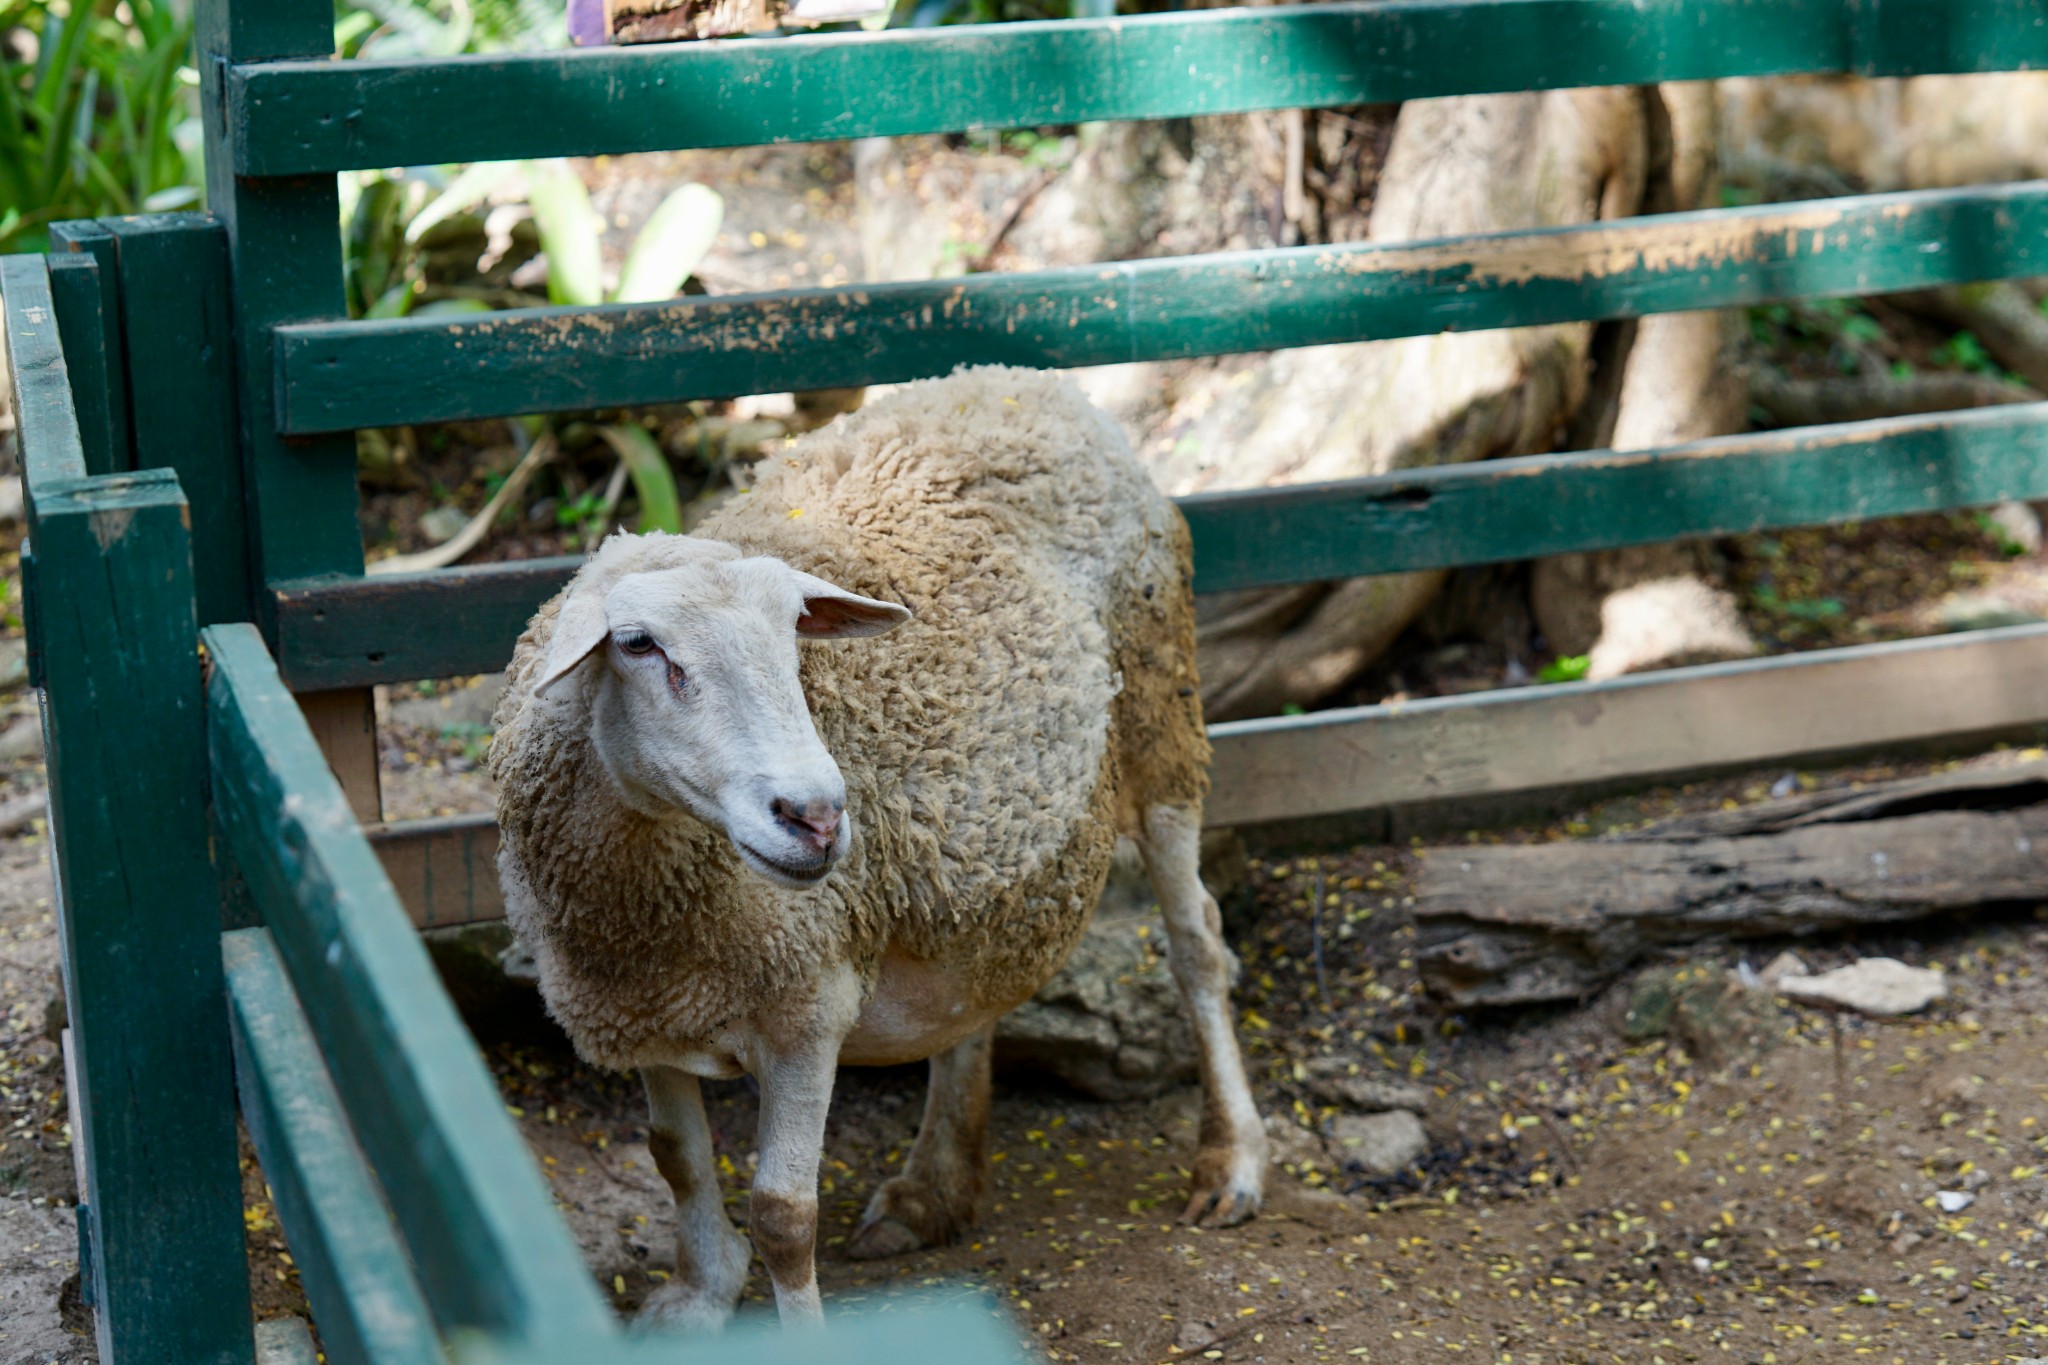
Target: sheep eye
[(636, 642)]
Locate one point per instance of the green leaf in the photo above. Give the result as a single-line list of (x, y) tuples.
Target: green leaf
[(1565, 668), (569, 233), (464, 192), (672, 245), (450, 308), (661, 509), (394, 302)]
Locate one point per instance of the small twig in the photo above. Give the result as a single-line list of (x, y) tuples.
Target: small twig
[(472, 535)]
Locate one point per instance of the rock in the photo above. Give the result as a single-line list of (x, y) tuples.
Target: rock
[(1334, 1080), (1960, 611), (1878, 986), (2017, 524), (1785, 964), (1384, 1144), (1290, 1144), (1664, 623), (457, 708), (443, 524), (1954, 1201), (1110, 1022), (38, 1253), (22, 741)]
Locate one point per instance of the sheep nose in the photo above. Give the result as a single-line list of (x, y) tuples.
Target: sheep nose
[(814, 822)]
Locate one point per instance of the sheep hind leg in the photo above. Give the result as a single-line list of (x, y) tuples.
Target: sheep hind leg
[(939, 1193), (1230, 1164), (711, 1255)]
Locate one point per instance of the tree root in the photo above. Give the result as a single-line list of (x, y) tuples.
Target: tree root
[(1818, 402), (1999, 314)]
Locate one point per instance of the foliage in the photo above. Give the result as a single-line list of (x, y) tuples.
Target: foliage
[(98, 113), (1565, 668), (446, 28)]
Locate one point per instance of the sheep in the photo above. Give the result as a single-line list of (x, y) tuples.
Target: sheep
[(732, 846)]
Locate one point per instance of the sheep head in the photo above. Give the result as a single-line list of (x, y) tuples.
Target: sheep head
[(687, 656)]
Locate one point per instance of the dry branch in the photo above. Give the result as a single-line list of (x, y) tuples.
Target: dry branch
[(1518, 924)]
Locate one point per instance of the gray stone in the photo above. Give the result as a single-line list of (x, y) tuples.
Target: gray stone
[(1384, 1144), (1339, 1081), (1110, 1022), (1878, 986), (38, 1253), (443, 523)]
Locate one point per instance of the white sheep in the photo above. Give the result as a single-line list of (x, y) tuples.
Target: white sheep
[(708, 892)]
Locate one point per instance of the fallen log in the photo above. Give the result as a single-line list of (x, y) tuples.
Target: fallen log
[(1522, 924)]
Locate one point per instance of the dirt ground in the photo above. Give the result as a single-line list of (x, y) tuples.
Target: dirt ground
[(1585, 1197)]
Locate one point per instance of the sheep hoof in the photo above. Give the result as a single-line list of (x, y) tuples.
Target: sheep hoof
[(906, 1214), (1229, 1187)]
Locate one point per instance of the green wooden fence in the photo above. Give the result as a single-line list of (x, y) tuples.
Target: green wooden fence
[(186, 387)]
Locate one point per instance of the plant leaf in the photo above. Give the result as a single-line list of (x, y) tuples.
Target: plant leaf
[(568, 233), (464, 192), (672, 245), (661, 508)]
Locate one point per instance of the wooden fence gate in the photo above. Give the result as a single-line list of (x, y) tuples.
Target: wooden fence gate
[(238, 918)]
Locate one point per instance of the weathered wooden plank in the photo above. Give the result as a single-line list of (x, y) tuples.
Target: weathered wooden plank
[(303, 117), (92, 358), (139, 918), (1657, 724), (348, 632), (444, 870), (45, 420), (106, 434), (344, 725), (354, 1270), (177, 313), (491, 1251), (962, 1328), (337, 375), (1533, 739), (1527, 923)]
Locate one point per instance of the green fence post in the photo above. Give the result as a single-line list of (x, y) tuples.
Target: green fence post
[(176, 316), (140, 918), (89, 313)]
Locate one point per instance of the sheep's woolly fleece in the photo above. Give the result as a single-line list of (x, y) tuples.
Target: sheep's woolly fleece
[(1043, 697)]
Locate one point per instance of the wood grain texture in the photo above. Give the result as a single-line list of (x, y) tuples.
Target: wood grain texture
[(177, 315), (124, 728), (337, 375), (344, 725), (354, 1270), (45, 419), (477, 1218), (103, 419), (344, 632), (1525, 924), (1686, 719), (303, 117), (445, 870)]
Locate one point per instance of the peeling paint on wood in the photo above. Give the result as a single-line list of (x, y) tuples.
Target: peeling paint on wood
[(354, 632), (338, 375), (46, 421), (306, 117)]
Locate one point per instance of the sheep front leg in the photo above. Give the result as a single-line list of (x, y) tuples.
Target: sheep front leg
[(711, 1256), (936, 1197), (795, 1069), (1230, 1167)]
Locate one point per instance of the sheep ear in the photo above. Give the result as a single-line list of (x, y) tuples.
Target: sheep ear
[(580, 627), (832, 613)]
